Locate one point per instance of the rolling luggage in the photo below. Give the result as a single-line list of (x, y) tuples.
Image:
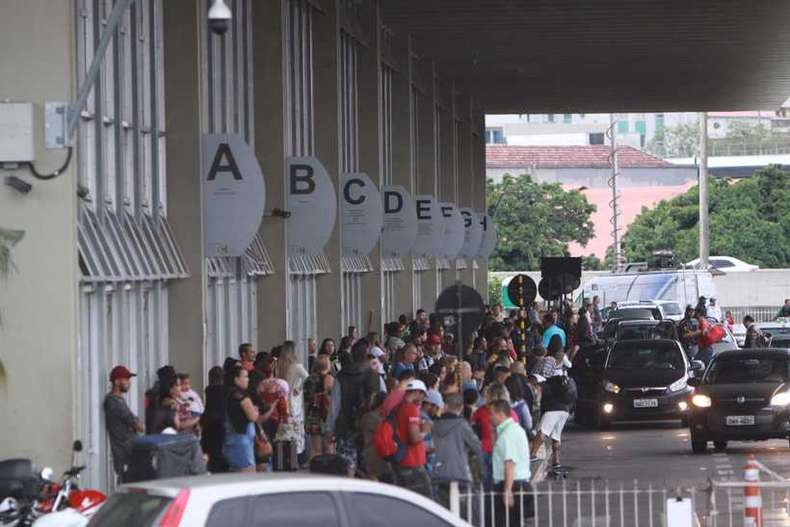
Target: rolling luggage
[(159, 456), (284, 457)]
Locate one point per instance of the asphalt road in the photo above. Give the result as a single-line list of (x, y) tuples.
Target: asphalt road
[(650, 460)]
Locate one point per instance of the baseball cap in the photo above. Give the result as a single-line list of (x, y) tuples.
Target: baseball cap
[(416, 385), (376, 351), (121, 372), (434, 340), (435, 398)]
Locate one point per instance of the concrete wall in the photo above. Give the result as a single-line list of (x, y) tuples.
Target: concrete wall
[(38, 302), (599, 177)]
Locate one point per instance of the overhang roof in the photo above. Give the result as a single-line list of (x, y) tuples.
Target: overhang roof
[(592, 156), (539, 56)]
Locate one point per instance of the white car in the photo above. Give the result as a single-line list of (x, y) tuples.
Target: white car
[(292, 499), (725, 264)]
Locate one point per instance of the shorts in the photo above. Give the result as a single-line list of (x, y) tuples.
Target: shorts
[(552, 423), (238, 449)]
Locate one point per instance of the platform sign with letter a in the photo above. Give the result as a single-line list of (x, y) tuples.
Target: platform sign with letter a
[(234, 195), (312, 203)]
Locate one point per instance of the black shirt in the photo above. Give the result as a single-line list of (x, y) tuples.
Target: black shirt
[(238, 419)]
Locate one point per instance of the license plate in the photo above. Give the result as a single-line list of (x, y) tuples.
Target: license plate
[(645, 403), (740, 420)]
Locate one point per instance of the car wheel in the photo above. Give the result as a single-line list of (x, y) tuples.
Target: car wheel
[(720, 445)]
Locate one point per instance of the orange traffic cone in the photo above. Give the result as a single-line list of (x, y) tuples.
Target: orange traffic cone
[(753, 503)]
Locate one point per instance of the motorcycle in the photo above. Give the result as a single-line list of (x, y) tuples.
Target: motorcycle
[(64, 503)]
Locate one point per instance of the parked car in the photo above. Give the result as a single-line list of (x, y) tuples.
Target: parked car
[(295, 500), (656, 309), (639, 379), (645, 329), (777, 328), (780, 341), (743, 396), (725, 264)]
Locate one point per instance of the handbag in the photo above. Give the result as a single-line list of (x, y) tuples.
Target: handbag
[(263, 448)]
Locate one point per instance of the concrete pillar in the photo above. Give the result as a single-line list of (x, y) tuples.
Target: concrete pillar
[(402, 161), (184, 22), (39, 298), (270, 127), (327, 106), (427, 180), (480, 199), (466, 173), (369, 100)]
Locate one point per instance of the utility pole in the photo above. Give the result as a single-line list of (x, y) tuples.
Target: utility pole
[(613, 204), (704, 224)]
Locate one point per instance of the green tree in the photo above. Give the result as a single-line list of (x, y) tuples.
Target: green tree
[(494, 290), (592, 263), (675, 141), (749, 220), (535, 219)]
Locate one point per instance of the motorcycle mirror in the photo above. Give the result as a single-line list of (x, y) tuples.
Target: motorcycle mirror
[(46, 473), (77, 447)]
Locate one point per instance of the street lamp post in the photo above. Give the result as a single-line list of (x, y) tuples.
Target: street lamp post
[(704, 224)]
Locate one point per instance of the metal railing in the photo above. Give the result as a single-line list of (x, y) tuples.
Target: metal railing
[(590, 503), (760, 313)]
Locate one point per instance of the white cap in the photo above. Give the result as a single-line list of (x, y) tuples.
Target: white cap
[(415, 384), (376, 351), (435, 398)]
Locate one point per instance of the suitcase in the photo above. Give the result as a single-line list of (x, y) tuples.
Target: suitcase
[(333, 464), (284, 457), (160, 456)]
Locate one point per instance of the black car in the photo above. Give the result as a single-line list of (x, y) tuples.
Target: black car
[(639, 379), (743, 396)]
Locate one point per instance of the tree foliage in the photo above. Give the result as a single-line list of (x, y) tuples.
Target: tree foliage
[(535, 219), (749, 219), (675, 141), (741, 138)]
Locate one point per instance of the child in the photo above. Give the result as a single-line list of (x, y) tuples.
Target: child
[(432, 407), (189, 397)]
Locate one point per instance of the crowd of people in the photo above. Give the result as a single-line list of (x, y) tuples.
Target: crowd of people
[(477, 417)]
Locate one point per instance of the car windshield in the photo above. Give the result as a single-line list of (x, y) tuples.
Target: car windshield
[(645, 356), (635, 332), (783, 342), (734, 369), (130, 509), (672, 308), (634, 313)]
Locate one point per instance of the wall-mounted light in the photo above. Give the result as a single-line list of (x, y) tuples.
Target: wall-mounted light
[(219, 17)]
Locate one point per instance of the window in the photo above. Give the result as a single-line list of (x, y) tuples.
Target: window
[(634, 356), (597, 138), (495, 136), (659, 122), (734, 369), (384, 511), (551, 117), (721, 264), (126, 509), (640, 127), (622, 127), (297, 509), (228, 512), (567, 118)]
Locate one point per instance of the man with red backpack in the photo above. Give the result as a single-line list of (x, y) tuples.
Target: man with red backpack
[(400, 439)]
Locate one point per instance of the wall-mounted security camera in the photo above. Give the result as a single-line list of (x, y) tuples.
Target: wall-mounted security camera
[(219, 16)]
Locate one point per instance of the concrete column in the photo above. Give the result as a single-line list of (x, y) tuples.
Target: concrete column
[(402, 161), (184, 23), (427, 181), (39, 298), (270, 126), (466, 173), (327, 107), (480, 201), (370, 160)]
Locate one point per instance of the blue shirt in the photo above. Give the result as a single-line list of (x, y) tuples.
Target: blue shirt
[(550, 332), (400, 367)]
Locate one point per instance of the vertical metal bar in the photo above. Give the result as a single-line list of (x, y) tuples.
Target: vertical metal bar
[(119, 85), (650, 502), (98, 116), (154, 42), (729, 504), (622, 507), (549, 507), (607, 512), (664, 501), (636, 502), (564, 504), (592, 500)]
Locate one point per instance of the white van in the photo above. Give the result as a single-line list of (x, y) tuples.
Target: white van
[(681, 286)]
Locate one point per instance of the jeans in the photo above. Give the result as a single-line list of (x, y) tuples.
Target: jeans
[(523, 506), (414, 479)]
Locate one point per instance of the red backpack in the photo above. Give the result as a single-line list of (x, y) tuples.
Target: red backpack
[(386, 440)]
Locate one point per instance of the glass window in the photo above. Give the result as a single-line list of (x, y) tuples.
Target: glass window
[(551, 117), (297, 509), (659, 122), (659, 356), (640, 127), (633, 332), (384, 511), (597, 138), (126, 509), (228, 512), (721, 264), (622, 127), (567, 118), (735, 369)]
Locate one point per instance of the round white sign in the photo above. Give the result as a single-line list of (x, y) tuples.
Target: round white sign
[(489, 238), (473, 233), (312, 202), (453, 239), (362, 214), (234, 195), (400, 221), (430, 227)]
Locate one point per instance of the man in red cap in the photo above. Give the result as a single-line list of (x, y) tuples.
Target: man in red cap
[(122, 424)]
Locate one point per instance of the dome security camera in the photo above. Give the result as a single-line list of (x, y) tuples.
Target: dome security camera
[(219, 16)]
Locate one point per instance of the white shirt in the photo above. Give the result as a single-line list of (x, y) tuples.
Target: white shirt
[(714, 312)]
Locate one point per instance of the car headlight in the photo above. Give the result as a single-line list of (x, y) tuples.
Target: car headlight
[(678, 385), (701, 401), (611, 387), (780, 399)]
